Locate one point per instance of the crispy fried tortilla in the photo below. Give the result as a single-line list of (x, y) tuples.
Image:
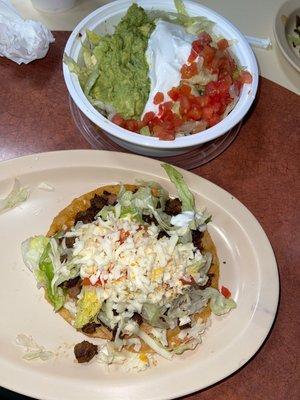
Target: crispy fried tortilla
[(65, 220)]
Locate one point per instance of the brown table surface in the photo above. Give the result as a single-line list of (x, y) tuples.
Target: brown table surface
[(260, 168)]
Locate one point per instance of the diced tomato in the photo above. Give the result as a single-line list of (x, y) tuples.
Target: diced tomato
[(118, 120), (204, 38), (207, 113), (184, 105), (132, 125), (158, 98), (192, 56), (163, 133), (123, 235), (86, 282), (214, 120), (222, 44), (225, 292), (245, 77), (194, 113), (148, 117), (188, 71), (211, 89), (203, 100), (208, 53), (174, 93), (185, 90), (177, 121), (197, 46), (164, 107), (224, 83)]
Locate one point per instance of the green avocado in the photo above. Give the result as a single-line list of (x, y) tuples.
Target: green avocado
[(123, 80)]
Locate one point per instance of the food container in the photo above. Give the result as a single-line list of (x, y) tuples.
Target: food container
[(103, 21)]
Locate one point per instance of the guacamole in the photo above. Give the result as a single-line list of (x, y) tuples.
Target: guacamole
[(122, 69)]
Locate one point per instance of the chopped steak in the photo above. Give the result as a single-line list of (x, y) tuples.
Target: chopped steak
[(98, 202), (149, 219), (90, 327), (173, 206), (85, 351), (137, 318), (71, 282), (73, 286), (111, 198), (185, 326), (86, 217), (69, 241), (162, 234), (197, 239), (63, 258)]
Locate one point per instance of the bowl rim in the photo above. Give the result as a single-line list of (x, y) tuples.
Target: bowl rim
[(214, 132), (279, 31)]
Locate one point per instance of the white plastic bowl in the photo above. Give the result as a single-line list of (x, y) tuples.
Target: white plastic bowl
[(103, 21)]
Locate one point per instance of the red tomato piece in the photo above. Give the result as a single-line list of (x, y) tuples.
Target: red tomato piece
[(188, 71), (194, 113), (208, 53), (203, 100), (225, 292), (174, 93), (222, 44), (245, 77), (118, 120), (163, 133), (123, 235), (184, 105), (148, 117), (207, 113), (86, 282), (204, 38), (197, 46), (214, 120), (158, 98), (185, 90), (177, 121), (132, 125), (192, 57)]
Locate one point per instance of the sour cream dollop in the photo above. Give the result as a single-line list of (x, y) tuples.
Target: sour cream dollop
[(169, 47)]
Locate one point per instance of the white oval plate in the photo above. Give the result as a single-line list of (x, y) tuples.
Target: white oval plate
[(248, 268)]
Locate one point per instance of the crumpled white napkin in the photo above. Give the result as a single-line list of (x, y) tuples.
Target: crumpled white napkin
[(21, 40)]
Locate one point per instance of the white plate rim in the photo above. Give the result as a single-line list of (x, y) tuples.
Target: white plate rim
[(96, 158)]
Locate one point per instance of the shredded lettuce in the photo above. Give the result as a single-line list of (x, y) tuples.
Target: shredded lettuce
[(154, 345), (32, 250), (33, 351), (39, 256), (193, 25), (185, 195), (18, 195), (218, 304), (87, 308), (44, 275)]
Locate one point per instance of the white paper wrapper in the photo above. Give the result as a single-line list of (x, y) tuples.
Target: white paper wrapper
[(21, 40)]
